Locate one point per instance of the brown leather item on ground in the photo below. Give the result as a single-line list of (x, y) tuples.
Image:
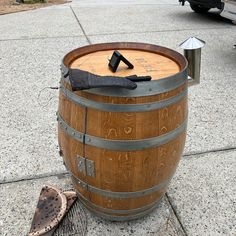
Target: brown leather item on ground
[(51, 208)]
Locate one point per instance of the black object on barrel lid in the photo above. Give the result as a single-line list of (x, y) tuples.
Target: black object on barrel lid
[(80, 80), (136, 78), (115, 60)]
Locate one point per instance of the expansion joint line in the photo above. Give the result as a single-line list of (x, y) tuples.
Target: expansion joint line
[(227, 149), (81, 27), (176, 215), (36, 177)]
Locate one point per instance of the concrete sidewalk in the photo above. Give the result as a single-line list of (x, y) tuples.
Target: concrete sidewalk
[(201, 199)]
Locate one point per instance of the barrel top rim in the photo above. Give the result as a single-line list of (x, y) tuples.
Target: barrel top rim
[(177, 57), (145, 88)]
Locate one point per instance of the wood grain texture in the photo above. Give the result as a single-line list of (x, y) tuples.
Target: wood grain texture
[(130, 125), (145, 63), (124, 171)]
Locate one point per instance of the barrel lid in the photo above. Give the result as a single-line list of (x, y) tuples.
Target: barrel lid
[(192, 43), (157, 62)]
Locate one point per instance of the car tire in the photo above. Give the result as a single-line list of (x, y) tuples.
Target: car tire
[(199, 8)]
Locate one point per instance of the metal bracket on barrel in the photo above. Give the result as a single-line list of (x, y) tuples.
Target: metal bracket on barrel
[(86, 166)]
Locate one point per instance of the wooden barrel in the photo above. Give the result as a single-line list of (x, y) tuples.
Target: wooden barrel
[(123, 146)]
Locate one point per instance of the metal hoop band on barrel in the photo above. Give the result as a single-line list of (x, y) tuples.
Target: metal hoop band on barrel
[(121, 218), (122, 145), (115, 211), (120, 195), (110, 107), (105, 212), (149, 88)]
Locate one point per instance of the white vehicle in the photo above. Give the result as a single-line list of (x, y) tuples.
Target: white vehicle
[(229, 10)]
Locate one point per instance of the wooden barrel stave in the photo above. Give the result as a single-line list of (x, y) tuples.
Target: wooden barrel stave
[(122, 203), (140, 170), (169, 117), (164, 172)]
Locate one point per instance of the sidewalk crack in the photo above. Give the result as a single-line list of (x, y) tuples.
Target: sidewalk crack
[(176, 215), (226, 149), (36, 177), (81, 27)]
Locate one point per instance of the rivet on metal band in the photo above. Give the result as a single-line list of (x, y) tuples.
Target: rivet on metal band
[(121, 107), (122, 145), (120, 195)]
